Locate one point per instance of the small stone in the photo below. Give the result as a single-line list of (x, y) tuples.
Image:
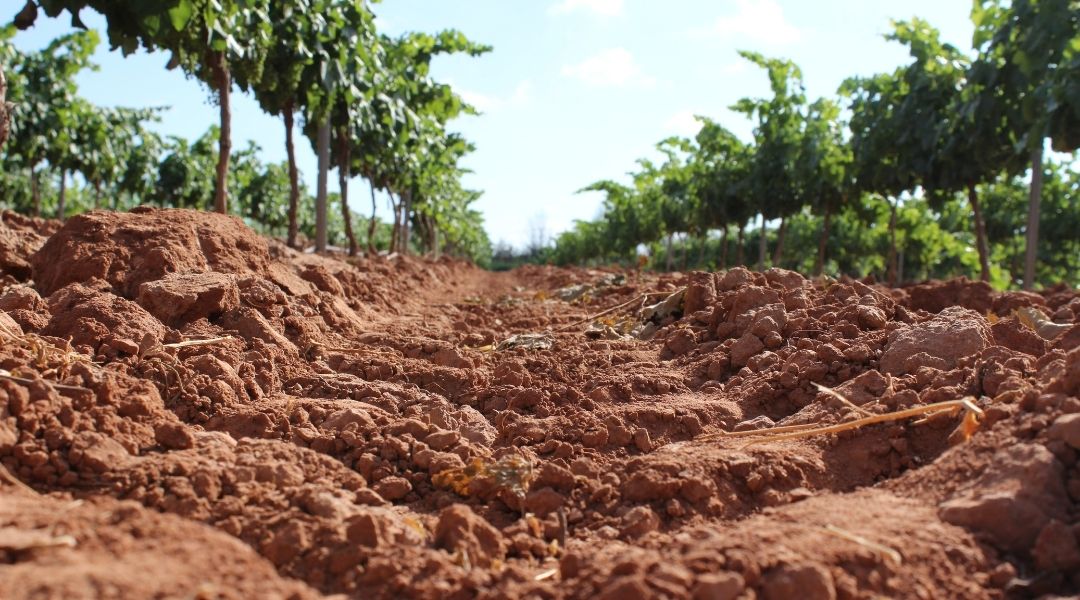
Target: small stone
[(1002, 575), (808, 582), (1014, 499), (174, 436), (555, 476), (627, 587), (940, 342), (1069, 380), (596, 438), (764, 326), (680, 342), (441, 440), (1056, 548), (363, 529), (1013, 335), (789, 280), (95, 452), (700, 292), (672, 574), (323, 279), (773, 340), (393, 488), (641, 440), (1067, 429), (619, 434), (122, 345), (544, 501), (751, 297), (8, 324), (718, 586), (460, 529), (339, 420), (179, 298), (745, 348), (638, 521), (735, 278), (859, 353), (369, 497), (871, 317), (758, 422), (674, 508)]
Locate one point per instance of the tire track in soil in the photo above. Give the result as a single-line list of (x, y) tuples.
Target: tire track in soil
[(317, 434)]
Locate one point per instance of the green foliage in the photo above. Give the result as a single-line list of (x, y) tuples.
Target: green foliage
[(43, 91), (773, 181), (189, 29), (110, 148), (322, 59), (823, 168), (186, 173), (720, 172), (628, 220), (1026, 72), (1059, 246), (216, 41), (887, 183), (263, 197)]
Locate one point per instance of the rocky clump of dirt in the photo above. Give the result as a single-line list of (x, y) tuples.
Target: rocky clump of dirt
[(126, 252), (955, 333), (180, 298), (270, 423), (20, 237)]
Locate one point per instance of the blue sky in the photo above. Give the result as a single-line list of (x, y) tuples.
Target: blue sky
[(574, 91)]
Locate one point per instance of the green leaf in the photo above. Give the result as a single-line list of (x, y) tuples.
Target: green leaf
[(180, 14)]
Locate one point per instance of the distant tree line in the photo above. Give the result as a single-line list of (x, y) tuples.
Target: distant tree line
[(934, 169)]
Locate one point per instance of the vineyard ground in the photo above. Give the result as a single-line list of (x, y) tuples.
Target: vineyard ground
[(188, 410)]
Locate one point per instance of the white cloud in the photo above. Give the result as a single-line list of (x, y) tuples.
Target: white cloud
[(682, 123), (612, 67), (487, 103), (482, 102), (734, 68), (522, 93), (757, 20), (603, 8)]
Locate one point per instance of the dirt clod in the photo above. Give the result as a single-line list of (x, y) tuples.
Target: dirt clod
[(718, 586), (812, 582), (953, 334), (459, 529), (179, 298)]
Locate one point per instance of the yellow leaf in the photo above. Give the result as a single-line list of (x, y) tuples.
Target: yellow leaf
[(969, 424), (416, 526), (534, 525), (511, 472)]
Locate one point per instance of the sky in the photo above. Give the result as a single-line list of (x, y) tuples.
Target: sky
[(574, 91)]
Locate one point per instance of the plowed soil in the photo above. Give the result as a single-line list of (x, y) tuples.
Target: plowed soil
[(188, 410)]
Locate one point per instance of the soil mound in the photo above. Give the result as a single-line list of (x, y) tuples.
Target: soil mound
[(936, 296), (66, 549), (128, 249)]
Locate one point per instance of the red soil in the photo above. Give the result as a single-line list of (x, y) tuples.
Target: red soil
[(356, 434)]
